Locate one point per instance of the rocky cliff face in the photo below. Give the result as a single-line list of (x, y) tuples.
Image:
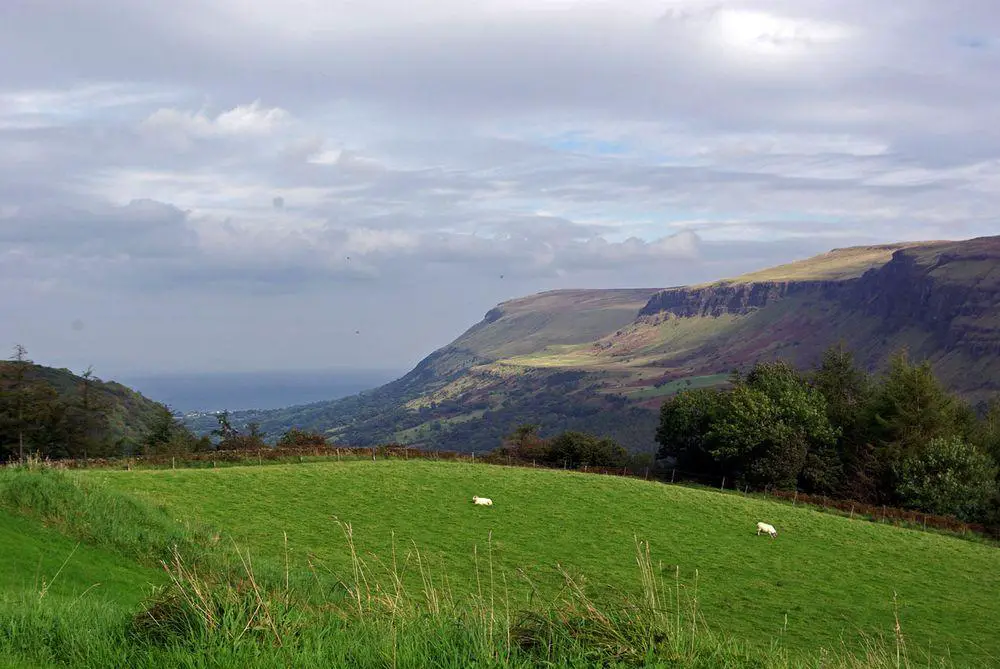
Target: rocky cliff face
[(951, 292), (734, 298), (954, 295)]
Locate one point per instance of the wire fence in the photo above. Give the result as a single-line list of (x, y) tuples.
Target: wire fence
[(667, 475)]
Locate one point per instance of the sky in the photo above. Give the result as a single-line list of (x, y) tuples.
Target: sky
[(245, 185)]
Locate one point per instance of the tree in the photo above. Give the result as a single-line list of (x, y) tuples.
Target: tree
[(577, 449), (525, 444), (225, 431), (168, 436), (948, 476), (848, 391), (86, 419), (21, 364), (684, 433), (846, 388), (987, 434), (775, 430), (233, 440), (910, 407)]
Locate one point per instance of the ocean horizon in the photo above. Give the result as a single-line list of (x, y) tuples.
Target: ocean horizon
[(237, 391)]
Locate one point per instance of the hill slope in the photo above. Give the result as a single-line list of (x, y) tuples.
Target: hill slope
[(831, 576), (601, 361)]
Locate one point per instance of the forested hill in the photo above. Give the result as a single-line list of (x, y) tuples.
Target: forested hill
[(56, 413)]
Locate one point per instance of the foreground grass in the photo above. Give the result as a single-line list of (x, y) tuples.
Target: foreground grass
[(825, 581), (41, 563), (222, 618)]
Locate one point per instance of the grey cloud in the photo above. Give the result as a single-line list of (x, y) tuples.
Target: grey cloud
[(141, 228)]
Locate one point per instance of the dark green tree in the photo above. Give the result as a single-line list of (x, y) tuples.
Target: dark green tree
[(775, 431), (947, 476), (848, 391), (576, 449), (685, 429), (910, 407)]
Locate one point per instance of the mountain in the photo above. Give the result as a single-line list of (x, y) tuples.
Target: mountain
[(603, 360), (129, 414)]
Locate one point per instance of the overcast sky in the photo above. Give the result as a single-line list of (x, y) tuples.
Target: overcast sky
[(289, 184)]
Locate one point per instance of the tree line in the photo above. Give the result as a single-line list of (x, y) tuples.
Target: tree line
[(571, 449), (898, 438)]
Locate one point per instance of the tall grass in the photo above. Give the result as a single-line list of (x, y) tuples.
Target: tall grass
[(86, 510)]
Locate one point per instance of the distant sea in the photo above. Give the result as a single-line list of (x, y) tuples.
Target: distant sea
[(235, 391)]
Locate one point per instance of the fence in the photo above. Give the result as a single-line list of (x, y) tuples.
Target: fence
[(853, 509)]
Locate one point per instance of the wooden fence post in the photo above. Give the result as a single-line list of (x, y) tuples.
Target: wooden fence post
[(672, 474), (647, 473), (173, 463), (723, 486), (795, 499), (852, 512)]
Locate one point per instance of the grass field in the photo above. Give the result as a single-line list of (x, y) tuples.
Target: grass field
[(47, 564), (822, 582)]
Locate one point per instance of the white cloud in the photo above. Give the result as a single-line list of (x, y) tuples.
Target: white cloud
[(250, 120)]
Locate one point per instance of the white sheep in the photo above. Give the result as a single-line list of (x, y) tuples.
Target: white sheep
[(482, 501), (764, 527)]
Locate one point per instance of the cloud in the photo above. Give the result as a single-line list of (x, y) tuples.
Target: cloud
[(249, 120), (360, 158), (140, 229)]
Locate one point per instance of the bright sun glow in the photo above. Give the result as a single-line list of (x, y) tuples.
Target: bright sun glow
[(767, 33)]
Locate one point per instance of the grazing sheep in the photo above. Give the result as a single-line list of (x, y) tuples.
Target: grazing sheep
[(764, 527), (482, 501)]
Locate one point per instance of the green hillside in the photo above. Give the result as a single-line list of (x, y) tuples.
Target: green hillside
[(832, 577), (437, 573), (602, 361)]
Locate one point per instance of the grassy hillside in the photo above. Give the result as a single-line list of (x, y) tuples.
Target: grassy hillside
[(821, 582), (602, 361), (41, 563), (550, 575), (836, 265)]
